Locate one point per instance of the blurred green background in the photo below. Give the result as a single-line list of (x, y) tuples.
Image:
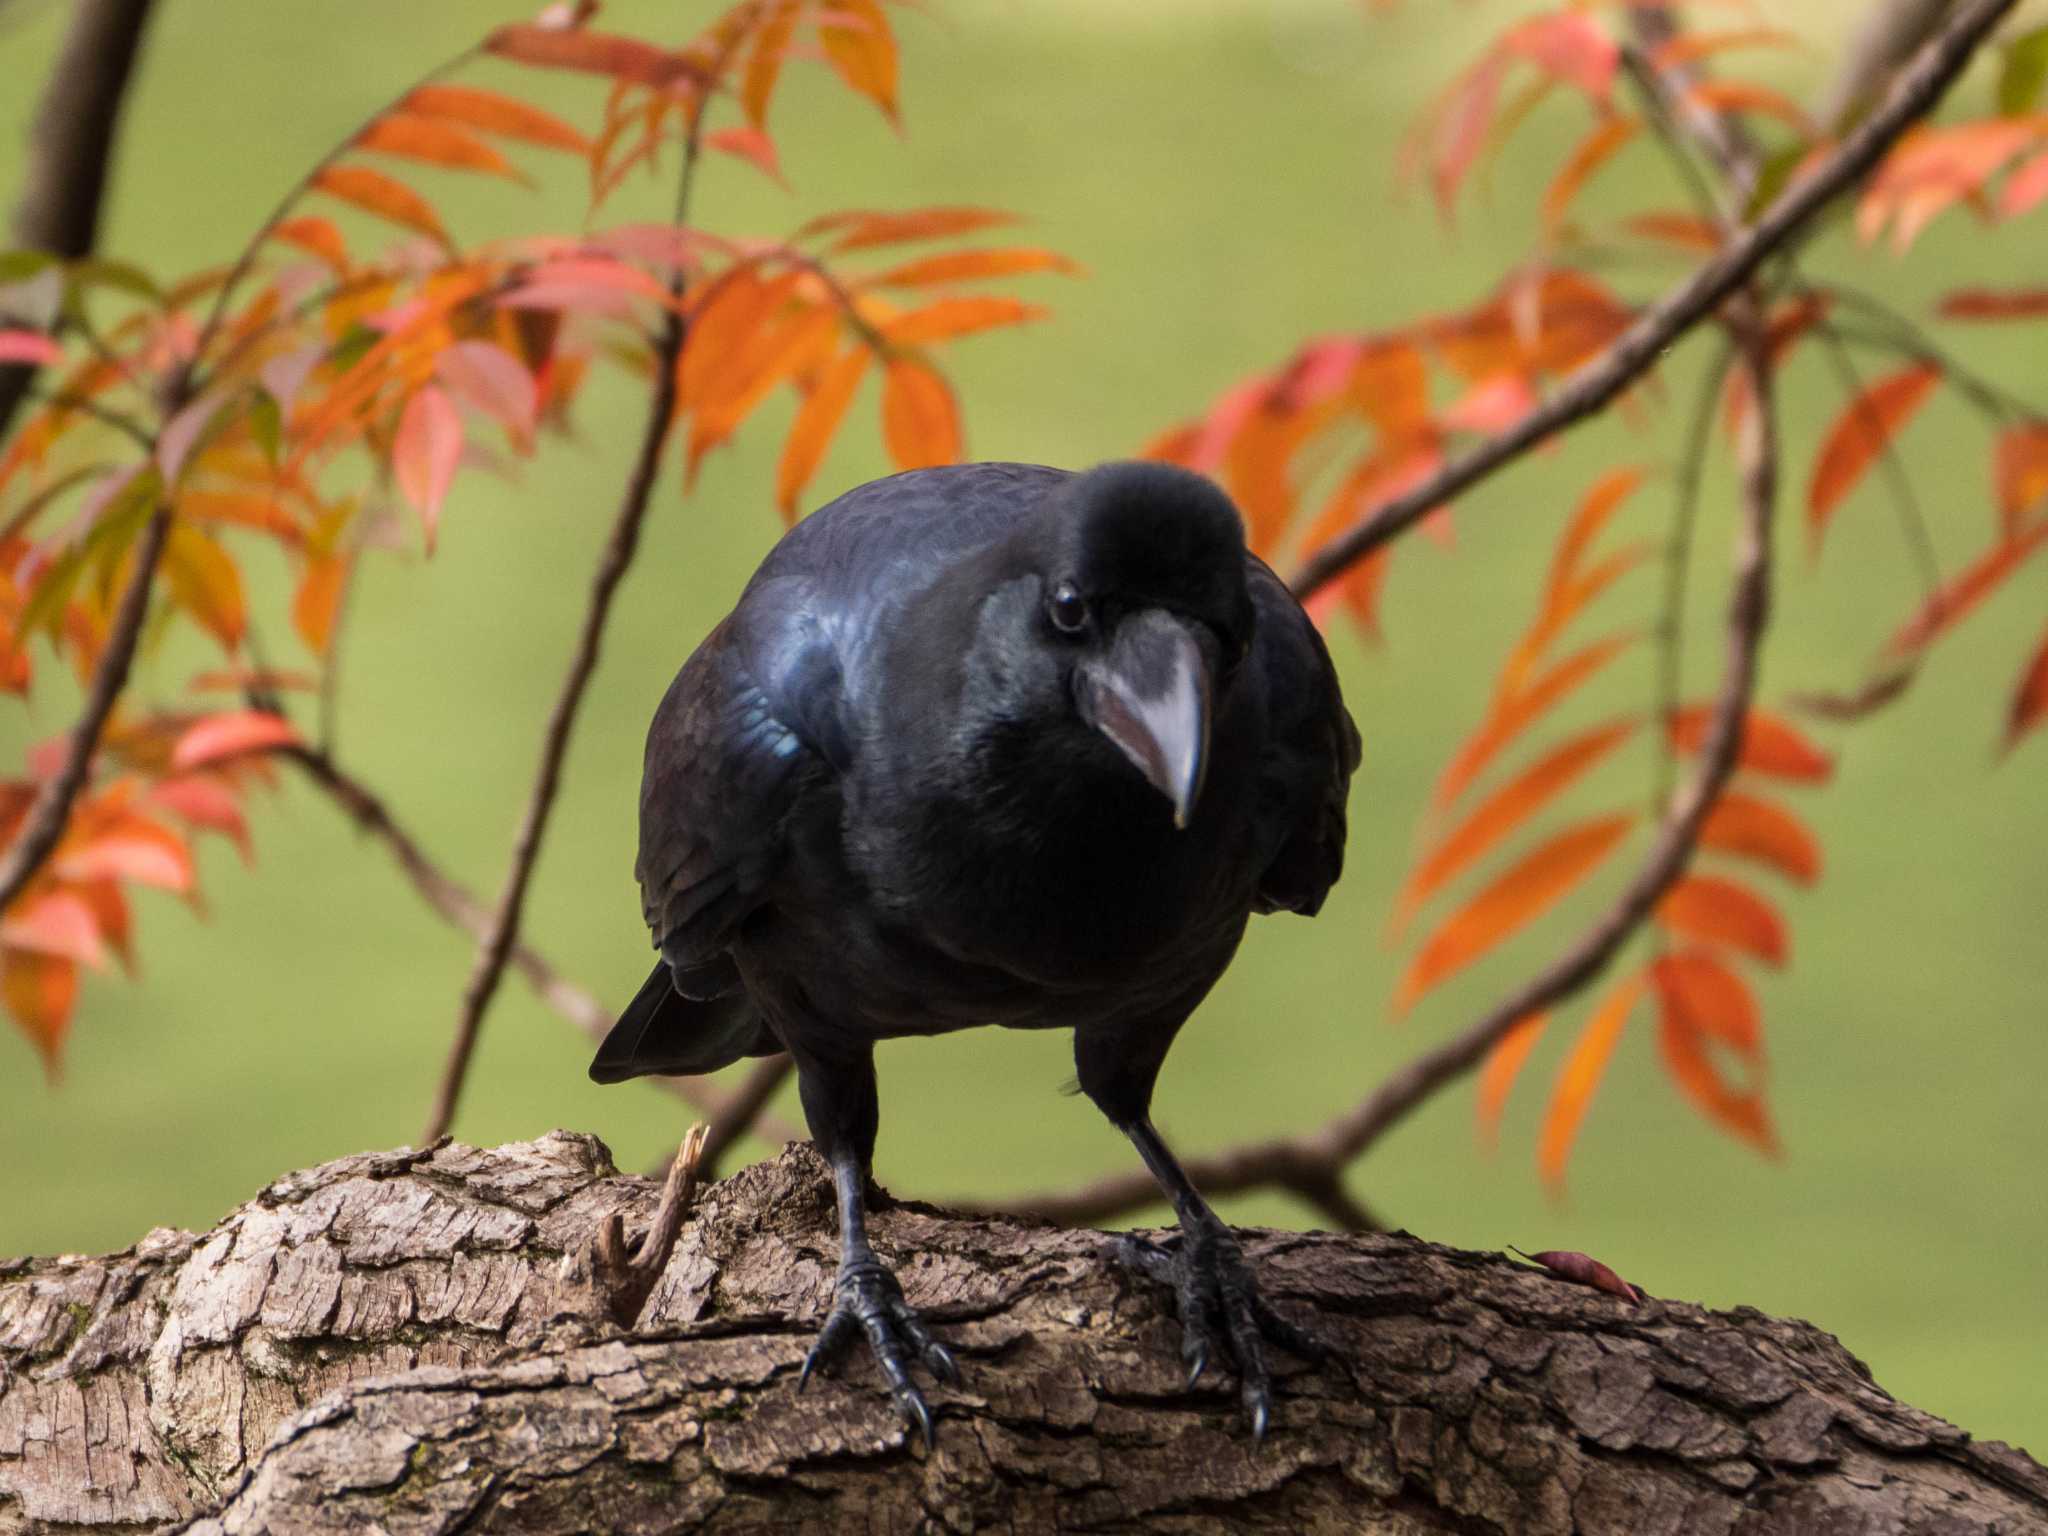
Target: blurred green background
[(1225, 173)]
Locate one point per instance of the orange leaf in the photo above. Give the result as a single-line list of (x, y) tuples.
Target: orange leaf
[(816, 421), (1759, 829), (382, 195), (864, 229), (724, 328), (317, 601), (427, 452), (2030, 700), (1510, 716), (1592, 152), (1683, 230), (126, 846), (2025, 189), (1965, 590), (201, 800), (505, 116), (218, 737), (1524, 893), (1507, 808), (963, 266), (1690, 47), (1579, 1078), (1714, 910), (1564, 604), (40, 991), (317, 237), (1699, 1000), (1994, 304), (791, 347), (764, 63), (1860, 433), (1571, 47), (1502, 1066), (597, 53), (750, 144), (1770, 745), (1749, 96), (1461, 127), (54, 921), (2020, 472), (920, 421), (206, 583), (944, 319), (434, 141), (860, 46), (1593, 514)]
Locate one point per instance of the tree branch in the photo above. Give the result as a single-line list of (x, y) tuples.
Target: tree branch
[(1598, 381), (66, 174)]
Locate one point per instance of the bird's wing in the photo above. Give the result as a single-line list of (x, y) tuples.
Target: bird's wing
[(743, 742), (1310, 751)]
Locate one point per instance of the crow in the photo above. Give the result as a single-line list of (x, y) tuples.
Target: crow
[(988, 744)]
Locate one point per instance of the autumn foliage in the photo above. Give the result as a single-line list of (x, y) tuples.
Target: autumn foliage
[(323, 393)]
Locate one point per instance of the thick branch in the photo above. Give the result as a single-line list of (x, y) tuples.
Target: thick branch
[(1597, 382), (395, 1343), (73, 146)]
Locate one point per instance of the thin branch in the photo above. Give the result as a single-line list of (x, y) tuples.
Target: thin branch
[(65, 180), (1295, 1162), (738, 1114), (47, 814), (1599, 380), (496, 949), (1909, 340)]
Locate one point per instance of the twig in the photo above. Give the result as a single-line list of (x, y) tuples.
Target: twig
[(624, 1277), (1303, 1161), (43, 827), (1630, 355), (496, 949), (738, 1114), (66, 173), (456, 904)]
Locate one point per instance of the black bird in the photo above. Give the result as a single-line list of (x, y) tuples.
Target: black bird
[(988, 744)]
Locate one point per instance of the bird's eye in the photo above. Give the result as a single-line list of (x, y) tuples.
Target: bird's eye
[(1067, 609)]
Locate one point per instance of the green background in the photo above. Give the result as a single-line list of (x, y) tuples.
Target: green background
[(1225, 173)]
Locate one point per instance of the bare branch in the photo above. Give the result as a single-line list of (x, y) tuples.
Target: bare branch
[(625, 1276), (65, 180), (44, 825), (739, 1114), (1598, 381)]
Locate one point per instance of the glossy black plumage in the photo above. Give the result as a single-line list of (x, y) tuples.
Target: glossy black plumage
[(893, 794)]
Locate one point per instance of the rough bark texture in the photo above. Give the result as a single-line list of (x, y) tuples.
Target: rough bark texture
[(408, 1343)]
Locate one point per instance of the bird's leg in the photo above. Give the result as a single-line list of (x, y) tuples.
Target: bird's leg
[(1214, 1290), (866, 1299)]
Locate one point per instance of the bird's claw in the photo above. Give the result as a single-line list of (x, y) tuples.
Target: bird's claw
[(868, 1300), (1213, 1286)]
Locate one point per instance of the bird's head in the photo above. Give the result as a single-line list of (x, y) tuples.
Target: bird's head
[(1144, 592)]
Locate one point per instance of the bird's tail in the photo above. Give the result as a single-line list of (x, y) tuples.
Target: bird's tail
[(665, 1034)]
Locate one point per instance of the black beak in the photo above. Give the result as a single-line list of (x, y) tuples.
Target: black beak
[(1149, 693)]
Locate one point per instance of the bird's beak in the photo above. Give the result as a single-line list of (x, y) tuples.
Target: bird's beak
[(1149, 693)]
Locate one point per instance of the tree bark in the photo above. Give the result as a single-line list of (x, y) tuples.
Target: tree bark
[(409, 1342)]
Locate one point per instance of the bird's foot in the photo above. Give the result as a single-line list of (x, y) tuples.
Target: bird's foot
[(1220, 1306), (868, 1300)]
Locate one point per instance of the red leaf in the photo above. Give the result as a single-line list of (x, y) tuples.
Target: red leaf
[(1714, 910), (1579, 1078), (1569, 46), (219, 737), (1507, 808), (382, 195), (1461, 128), (751, 145), (317, 237), (1593, 151), (30, 347), (491, 380), (2020, 472), (1700, 1000), (1582, 1269), (201, 800), (1965, 590), (816, 422), (505, 116), (2030, 700), (1716, 1001), (434, 141), (1749, 96), (1524, 893), (40, 991), (1862, 431), (597, 53), (920, 421), (1502, 1066), (54, 921), (2025, 189), (427, 452), (1770, 745), (1683, 230), (1758, 829), (126, 846)]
